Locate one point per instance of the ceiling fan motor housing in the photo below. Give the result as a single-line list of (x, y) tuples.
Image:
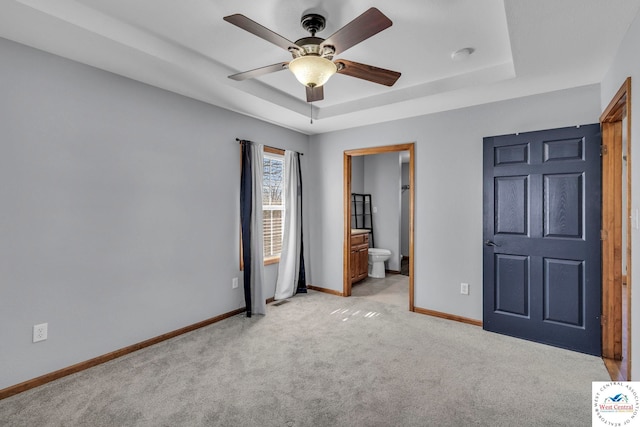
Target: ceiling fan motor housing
[(311, 46)]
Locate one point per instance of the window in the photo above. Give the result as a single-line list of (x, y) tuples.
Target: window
[(273, 204)]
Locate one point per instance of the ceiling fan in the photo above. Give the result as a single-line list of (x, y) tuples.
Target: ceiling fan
[(312, 62)]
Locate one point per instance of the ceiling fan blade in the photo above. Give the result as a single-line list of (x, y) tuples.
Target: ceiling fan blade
[(260, 31), (364, 26), (260, 71), (315, 93), (367, 72)]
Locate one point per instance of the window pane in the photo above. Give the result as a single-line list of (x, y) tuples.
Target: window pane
[(273, 176), (277, 176), (266, 182), (272, 224), (273, 204)]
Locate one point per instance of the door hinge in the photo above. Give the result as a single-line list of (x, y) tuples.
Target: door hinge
[(603, 150), (603, 234)]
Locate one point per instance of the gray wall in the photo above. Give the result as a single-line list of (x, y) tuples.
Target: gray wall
[(382, 181), (357, 174), (119, 218), (448, 188), (627, 64)]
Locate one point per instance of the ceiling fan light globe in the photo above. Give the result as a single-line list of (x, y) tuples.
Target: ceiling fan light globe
[(311, 70)]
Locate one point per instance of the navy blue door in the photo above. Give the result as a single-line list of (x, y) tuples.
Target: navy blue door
[(541, 256)]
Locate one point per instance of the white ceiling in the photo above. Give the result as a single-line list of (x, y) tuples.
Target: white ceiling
[(522, 47)]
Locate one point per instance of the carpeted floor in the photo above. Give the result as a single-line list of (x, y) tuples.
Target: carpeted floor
[(322, 360)]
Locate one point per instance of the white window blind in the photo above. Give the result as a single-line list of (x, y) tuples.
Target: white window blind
[(273, 204)]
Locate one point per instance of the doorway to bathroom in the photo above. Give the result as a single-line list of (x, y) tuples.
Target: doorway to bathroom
[(402, 189)]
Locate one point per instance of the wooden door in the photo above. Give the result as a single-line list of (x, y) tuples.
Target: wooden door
[(541, 258)]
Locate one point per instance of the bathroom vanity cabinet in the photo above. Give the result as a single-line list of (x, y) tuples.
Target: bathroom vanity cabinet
[(359, 256)]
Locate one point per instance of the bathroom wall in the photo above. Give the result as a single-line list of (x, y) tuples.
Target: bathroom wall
[(404, 212), (382, 181), (357, 179), (357, 174)]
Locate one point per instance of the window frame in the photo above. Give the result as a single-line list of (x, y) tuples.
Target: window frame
[(275, 153), (271, 259)]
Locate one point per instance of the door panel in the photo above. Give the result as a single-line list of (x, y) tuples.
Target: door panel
[(511, 205), (563, 205), (542, 237), (512, 285), (354, 265), (564, 292)]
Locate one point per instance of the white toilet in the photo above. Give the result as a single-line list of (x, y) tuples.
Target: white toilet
[(377, 257)]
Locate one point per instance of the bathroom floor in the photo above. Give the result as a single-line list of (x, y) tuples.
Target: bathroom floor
[(393, 289)]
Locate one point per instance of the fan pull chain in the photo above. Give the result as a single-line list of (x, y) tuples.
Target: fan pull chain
[(311, 112)]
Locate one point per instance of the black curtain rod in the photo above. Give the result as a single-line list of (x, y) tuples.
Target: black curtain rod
[(240, 141)]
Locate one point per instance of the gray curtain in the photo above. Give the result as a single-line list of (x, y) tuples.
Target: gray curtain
[(289, 270), (259, 304)]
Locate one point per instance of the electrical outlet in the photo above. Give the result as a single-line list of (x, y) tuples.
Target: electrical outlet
[(40, 332), (234, 283), (464, 288)]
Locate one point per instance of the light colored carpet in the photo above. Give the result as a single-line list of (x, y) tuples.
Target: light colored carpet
[(322, 360)]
